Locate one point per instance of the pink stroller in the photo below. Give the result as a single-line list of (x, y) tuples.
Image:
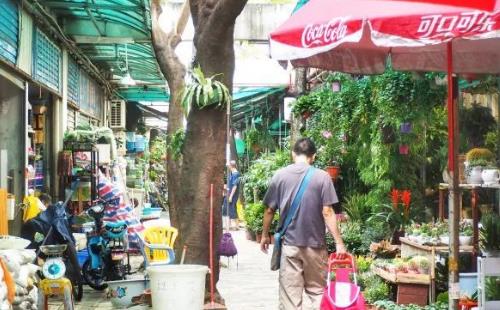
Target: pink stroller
[(341, 293)]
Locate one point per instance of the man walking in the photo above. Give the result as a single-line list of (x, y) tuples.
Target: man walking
[(303, 263)]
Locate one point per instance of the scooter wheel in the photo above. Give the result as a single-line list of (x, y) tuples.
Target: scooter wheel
[(94, 278)]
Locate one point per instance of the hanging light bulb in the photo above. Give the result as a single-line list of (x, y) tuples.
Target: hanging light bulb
[(127, 78)]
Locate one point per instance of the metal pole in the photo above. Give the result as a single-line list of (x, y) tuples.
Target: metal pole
[(453, 204)]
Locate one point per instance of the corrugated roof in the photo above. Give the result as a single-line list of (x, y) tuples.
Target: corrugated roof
[(109, 30)]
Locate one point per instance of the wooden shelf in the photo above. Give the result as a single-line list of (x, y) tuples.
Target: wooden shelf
[(430, 248), (471, 186), (405, 278)]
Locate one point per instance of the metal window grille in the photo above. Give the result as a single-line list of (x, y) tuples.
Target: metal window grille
[(46, 61), (9, 30)]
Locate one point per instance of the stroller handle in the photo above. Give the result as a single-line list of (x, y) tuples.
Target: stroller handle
[(347, 259)]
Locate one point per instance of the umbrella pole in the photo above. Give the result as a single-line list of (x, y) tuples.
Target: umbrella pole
[(453, 202)]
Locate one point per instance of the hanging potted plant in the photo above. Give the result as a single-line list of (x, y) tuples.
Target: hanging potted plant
[(388, 134), (333, 170), (204, 92)]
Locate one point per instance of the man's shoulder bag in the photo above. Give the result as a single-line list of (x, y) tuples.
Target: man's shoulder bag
[(292, 212)]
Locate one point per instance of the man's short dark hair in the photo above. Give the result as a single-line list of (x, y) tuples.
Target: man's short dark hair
[(304, 146)]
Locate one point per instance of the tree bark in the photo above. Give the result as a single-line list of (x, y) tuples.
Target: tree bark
[(174, 71), (204, 148)]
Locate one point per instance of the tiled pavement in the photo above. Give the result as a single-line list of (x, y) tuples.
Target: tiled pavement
[(250, 286)]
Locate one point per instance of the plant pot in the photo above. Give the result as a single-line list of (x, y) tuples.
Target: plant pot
[(306, 115), (388, 135), (396, 235), (490, 176), (404, 149), (444, 239), (405, 127), (474, 175), (333, 171), (370, 307), (250, 235), (465, 240)]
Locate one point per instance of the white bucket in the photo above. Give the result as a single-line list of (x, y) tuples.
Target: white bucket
[(175, 287)]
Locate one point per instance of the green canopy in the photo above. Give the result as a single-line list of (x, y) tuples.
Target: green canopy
[(110, 33)]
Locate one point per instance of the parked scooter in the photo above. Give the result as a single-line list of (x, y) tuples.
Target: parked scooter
[(55, 282), (51, 227), (107, 248)]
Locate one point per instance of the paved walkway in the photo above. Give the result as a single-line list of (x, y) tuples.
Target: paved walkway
[(249, 286), (252, 285)]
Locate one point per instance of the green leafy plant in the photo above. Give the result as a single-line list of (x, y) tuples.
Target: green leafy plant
[(391, 305), (489, 233), (254, 216), (204, 92), (475, 123), (492, 288), (358, 207), (480, 157), (176, 143), (376, 289), (256, 179), (466, 229)]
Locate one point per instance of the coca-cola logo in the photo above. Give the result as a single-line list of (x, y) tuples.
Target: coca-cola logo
[(323, 34)]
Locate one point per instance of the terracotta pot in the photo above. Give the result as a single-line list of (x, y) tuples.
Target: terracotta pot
[(333, 171), (370, 307)]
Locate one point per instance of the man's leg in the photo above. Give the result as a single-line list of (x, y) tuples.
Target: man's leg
[(291, 278), (315, 265)]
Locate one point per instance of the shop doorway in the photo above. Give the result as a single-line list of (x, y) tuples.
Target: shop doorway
[(12, 139)]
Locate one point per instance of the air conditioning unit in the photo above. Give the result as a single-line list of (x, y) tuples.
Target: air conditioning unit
[(118, 114)]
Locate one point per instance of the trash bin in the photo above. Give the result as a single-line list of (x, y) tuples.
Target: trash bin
[(175, 287)]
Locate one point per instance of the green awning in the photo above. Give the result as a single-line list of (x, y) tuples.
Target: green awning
[(108, 32), (144, 94)]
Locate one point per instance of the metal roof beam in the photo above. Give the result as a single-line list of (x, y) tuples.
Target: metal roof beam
[(92, 18), (81, 5), (107, 40)]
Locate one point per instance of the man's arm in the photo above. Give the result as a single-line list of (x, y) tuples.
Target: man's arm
[(267, 220), (331, 224), (233, 191)]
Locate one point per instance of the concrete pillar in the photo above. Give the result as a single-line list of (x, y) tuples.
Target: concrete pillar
[(60, 123)]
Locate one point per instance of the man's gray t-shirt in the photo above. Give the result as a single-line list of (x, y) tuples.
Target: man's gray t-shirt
[(308, 227)]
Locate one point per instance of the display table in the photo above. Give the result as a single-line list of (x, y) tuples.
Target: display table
[(411, 288), (474, 189), (410, 248)]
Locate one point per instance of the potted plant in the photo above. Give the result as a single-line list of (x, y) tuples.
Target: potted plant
[(376, 289), (489, 235), (204, 92), (476, 160), (397, 214), (466, 232), (333, 170)]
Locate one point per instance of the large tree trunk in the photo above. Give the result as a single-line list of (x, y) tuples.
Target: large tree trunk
[(174, 71), (204, 148)]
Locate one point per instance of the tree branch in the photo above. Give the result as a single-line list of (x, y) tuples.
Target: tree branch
[(227, 11)]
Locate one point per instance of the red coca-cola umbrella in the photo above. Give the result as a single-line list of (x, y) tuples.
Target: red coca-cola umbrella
[(358, 36)]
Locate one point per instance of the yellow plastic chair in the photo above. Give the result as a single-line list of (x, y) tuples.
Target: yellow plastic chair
[(159, 245)]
